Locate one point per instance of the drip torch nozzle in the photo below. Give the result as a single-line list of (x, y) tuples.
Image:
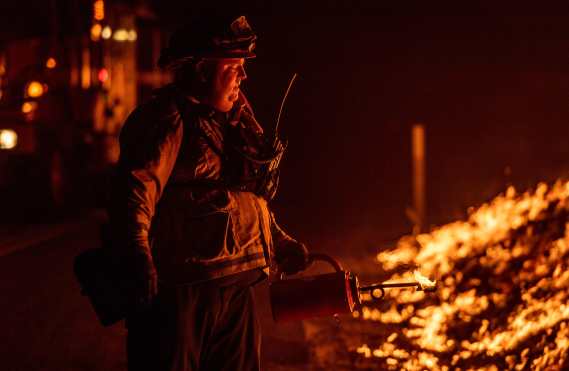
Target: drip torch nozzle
[(377, 290), (330, 293)]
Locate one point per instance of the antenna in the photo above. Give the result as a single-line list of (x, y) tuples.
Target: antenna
[(282, 105)]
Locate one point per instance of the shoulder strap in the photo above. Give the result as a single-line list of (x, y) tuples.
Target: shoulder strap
[(194, 123)]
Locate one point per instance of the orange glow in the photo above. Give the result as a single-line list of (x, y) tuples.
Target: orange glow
[(96, 31), (35, 89), (364, 350), (28, 107), (85, 68), (51, 63), (99, 10)]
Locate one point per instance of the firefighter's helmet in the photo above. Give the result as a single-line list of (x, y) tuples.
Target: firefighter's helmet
[(210, 37)]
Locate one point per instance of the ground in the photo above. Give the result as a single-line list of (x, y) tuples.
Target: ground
[(48, 325)]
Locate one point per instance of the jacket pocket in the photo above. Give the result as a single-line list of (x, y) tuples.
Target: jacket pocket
[(184, 235), (208, 236)]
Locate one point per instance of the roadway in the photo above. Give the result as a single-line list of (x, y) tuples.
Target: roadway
[(46, 324)]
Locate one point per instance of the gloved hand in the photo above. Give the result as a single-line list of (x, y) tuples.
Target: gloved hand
[(145, 279), (292, 257)]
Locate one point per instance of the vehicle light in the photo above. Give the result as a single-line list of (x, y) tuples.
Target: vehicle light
[(132, 36), (96, 31), (106, 33), (8, 139), (51, 63), (99, 10), (120, 35), (103, 75), (34, 89), (28, 107)]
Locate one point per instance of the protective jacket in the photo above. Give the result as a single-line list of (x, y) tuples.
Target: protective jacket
[(169, 197)]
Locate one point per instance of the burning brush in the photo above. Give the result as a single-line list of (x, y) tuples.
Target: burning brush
[(503, 304)]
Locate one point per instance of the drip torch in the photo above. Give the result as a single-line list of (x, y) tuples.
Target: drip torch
[(330, 293)]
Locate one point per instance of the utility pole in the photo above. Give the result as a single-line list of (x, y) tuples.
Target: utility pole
[(419, 177)]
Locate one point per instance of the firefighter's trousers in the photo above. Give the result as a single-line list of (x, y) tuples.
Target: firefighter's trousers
[(210, 326)]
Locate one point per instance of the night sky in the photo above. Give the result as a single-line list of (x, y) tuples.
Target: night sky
[(492, 89)]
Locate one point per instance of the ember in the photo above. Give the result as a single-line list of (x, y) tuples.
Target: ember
[(502, 301)]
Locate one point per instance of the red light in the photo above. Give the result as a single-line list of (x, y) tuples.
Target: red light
[(103, 75)]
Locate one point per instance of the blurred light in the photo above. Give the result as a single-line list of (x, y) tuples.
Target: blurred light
[(132, 36), (51, 63), (29, 107), (34, 89), (2, 64), (99, 10), (106, 33), (103, 75), (120, 35), (8, 139), (85, 68), (96, 30)]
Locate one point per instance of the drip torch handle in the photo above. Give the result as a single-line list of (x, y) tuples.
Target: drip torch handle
[(391, 285), (319, 257), (327, 258)]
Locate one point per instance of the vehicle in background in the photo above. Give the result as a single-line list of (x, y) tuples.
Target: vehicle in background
[(63, 99)]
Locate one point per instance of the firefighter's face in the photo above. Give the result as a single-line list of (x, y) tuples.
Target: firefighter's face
[(226, 78)]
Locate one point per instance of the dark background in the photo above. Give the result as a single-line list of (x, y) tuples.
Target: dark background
[(491, 90), (489, 82)]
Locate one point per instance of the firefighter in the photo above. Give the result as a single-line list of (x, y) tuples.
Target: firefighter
[(190, 208)]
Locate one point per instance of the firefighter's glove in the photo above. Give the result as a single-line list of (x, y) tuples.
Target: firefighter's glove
[(292, 257), (145, 279)]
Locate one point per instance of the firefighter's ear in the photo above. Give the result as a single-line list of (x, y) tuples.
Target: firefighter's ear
[(205, 70), (200, 71)]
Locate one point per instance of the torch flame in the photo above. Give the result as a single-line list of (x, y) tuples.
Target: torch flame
[(424, 282)]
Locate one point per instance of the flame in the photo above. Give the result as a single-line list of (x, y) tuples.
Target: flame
[(424, 281), (503, 296)]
